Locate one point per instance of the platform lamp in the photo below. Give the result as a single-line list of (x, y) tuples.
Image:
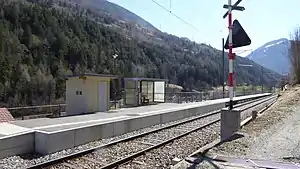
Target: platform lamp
[(114, 84), (262, 73), (115, 57)]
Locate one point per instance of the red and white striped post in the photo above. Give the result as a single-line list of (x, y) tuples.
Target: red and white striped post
[(230, 119), (230, 56)]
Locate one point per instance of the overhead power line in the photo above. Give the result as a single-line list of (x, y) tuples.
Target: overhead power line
[(182, 20)]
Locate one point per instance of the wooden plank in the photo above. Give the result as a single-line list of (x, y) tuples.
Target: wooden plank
[(70, 165)]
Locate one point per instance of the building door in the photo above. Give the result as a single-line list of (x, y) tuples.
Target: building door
[(82, 98), (103, 96), (84, 101)]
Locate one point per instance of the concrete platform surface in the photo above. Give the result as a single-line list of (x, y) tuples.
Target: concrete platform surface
[(53, 124), (44, 135), (11, 129), (47, 124), (67, 123)]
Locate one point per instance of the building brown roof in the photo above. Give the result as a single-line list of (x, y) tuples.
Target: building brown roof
[(145, 79), (5, 116), (94, 74)]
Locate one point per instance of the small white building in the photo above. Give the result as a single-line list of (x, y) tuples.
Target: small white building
[(87, 93)]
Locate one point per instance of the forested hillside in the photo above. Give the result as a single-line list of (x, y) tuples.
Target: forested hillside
[(41, 43)]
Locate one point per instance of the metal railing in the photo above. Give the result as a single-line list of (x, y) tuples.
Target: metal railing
[(30, 112), (185, 97)]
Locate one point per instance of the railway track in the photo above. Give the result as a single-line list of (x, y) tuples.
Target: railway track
[(123, 152)]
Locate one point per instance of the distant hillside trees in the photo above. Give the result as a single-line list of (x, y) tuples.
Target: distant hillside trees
[(42, 42)]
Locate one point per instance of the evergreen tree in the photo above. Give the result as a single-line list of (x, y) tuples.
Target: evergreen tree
[(41, 44)]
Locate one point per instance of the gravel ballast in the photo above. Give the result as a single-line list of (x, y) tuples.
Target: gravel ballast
[(162, 158), (21, 162), (274, 136)]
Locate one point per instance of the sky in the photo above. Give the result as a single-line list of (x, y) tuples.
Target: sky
[(263, 20)]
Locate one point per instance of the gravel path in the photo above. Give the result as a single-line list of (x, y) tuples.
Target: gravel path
[(281, 141), (273, 136)]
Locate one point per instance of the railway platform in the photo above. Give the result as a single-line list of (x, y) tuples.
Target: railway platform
[(45, 135)]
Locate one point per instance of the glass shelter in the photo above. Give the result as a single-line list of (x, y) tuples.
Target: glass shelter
[(144, 91)]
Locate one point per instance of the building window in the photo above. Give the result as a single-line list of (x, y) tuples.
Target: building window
[(78, 92)]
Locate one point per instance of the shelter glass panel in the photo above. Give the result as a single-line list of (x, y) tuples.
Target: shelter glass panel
[(150, 91), (159, 91), (130, 92)]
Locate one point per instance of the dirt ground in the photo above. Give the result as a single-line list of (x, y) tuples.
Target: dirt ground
[(275, 136)]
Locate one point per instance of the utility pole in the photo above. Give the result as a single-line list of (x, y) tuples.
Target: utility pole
[(223, 67), (262, 74), (114, 84), (261, 79), (230, 55)]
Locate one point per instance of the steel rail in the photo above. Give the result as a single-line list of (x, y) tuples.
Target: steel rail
[(74, 155), (142, 152), (88, 151), (251, 101), (216, 142), (259, 102)]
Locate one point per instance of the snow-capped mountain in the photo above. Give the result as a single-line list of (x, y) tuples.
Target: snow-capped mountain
[(273, 55)]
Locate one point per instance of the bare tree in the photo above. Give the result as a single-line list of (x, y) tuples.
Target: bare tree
[(295, 55)]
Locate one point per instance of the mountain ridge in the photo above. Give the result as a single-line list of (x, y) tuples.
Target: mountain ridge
[(115, 10), (273, 55), (46, 40)]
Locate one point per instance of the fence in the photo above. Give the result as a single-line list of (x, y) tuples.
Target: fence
[(184, 97), (181, 97), (30, 112)]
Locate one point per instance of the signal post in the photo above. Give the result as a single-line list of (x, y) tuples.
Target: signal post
[(230, 118)]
